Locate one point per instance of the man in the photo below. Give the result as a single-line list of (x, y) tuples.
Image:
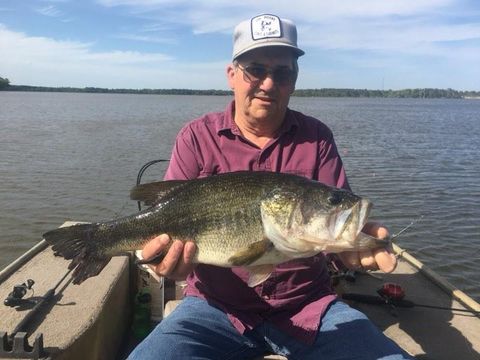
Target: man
[(295, 312)]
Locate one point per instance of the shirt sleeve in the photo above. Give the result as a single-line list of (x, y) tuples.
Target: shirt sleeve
[(183, 164), (331, 165)]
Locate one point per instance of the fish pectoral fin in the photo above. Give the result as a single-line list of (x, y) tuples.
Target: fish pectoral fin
[(150, 193), (250, 254), (259, 273)]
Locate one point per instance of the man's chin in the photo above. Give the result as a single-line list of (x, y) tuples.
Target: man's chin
[(264, 109), (264, 114)]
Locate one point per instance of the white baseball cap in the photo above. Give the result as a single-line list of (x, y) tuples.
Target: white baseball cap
[(265, 30)]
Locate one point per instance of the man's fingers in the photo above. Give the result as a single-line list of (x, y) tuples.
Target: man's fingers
[(171, 259), (376, 230), (384, 259), (189, 251), (185, 264), (177, 262), (367, 260), (155, 246), (387, 262)]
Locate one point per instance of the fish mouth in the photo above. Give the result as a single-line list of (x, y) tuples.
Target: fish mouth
[(349, 223), (365, 208)]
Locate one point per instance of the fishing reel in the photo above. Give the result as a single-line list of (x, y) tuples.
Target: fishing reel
[(15, 298), (391, 292), (337, 270)]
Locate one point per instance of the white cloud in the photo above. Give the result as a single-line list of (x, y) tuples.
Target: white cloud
[(68, 63), (406, 37), (141, 4), (393, 26), (145, 38), (212, 15), (49, 10)]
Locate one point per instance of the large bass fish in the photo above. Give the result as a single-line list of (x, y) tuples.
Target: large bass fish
[(251, 219)]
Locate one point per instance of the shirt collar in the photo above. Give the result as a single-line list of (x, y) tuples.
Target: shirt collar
[(227, 125)]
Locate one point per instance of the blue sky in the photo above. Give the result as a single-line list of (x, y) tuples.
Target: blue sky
[(373, 44)]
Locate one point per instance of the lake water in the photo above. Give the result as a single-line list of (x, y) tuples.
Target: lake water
[(76, 156)]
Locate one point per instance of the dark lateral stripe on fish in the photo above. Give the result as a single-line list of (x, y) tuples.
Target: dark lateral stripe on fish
[(229, 217)]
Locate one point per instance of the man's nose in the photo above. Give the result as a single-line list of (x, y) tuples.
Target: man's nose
[(268, 82)]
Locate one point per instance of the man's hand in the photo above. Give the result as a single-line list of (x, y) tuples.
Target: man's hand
[(177, 263), (376, 259)]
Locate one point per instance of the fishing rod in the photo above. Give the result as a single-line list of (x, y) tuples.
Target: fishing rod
[(394, 236), (393, 295), (15, 345), (44, 299)]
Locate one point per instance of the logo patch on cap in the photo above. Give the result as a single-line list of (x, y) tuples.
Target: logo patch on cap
[(266, 26)]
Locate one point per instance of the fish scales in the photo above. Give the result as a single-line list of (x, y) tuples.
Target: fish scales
[(240, 218)]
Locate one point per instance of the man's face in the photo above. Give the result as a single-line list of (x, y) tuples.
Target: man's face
[(257, 97)]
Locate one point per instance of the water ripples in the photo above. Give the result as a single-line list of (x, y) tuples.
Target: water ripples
[(76, 156)]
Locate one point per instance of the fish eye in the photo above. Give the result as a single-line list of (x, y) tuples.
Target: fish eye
[(334, 198)]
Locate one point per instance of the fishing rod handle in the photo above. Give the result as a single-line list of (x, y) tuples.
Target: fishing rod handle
[(367, 299)]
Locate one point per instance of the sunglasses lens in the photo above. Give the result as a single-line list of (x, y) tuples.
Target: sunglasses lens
[(256, 72), (282, 76)]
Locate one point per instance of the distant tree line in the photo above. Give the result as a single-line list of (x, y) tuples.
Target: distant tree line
[(426, 93), (405, 93), (4, 83), (117, 91)]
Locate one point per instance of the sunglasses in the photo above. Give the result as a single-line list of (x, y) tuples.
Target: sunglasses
[(254, 74)]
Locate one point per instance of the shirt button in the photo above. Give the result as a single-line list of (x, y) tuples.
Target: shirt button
[(266, 297)]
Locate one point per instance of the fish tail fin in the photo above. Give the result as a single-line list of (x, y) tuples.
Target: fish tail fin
[(78, 243)]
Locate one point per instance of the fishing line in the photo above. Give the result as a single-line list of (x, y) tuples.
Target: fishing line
[(394, 236), (118, 213), (140, 174)]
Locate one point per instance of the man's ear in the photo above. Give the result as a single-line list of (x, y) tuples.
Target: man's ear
[(294, 84), (230, 76)]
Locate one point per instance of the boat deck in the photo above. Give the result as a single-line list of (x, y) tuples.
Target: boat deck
[(83, 319), (91, 321), (424, 332)]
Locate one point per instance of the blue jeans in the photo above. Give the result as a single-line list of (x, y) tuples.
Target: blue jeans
[(197, 330)]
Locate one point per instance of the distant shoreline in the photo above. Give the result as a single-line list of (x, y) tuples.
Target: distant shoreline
[(426, 93)]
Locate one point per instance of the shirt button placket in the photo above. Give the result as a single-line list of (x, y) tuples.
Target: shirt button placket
[(262, 161)]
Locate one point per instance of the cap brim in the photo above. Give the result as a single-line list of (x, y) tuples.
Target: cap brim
[(298, 52)]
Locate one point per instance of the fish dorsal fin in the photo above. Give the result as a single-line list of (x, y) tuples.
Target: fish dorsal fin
[(258, 274), (150, 193)]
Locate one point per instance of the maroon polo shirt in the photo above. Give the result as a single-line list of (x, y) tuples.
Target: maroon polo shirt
[(298, 292)]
